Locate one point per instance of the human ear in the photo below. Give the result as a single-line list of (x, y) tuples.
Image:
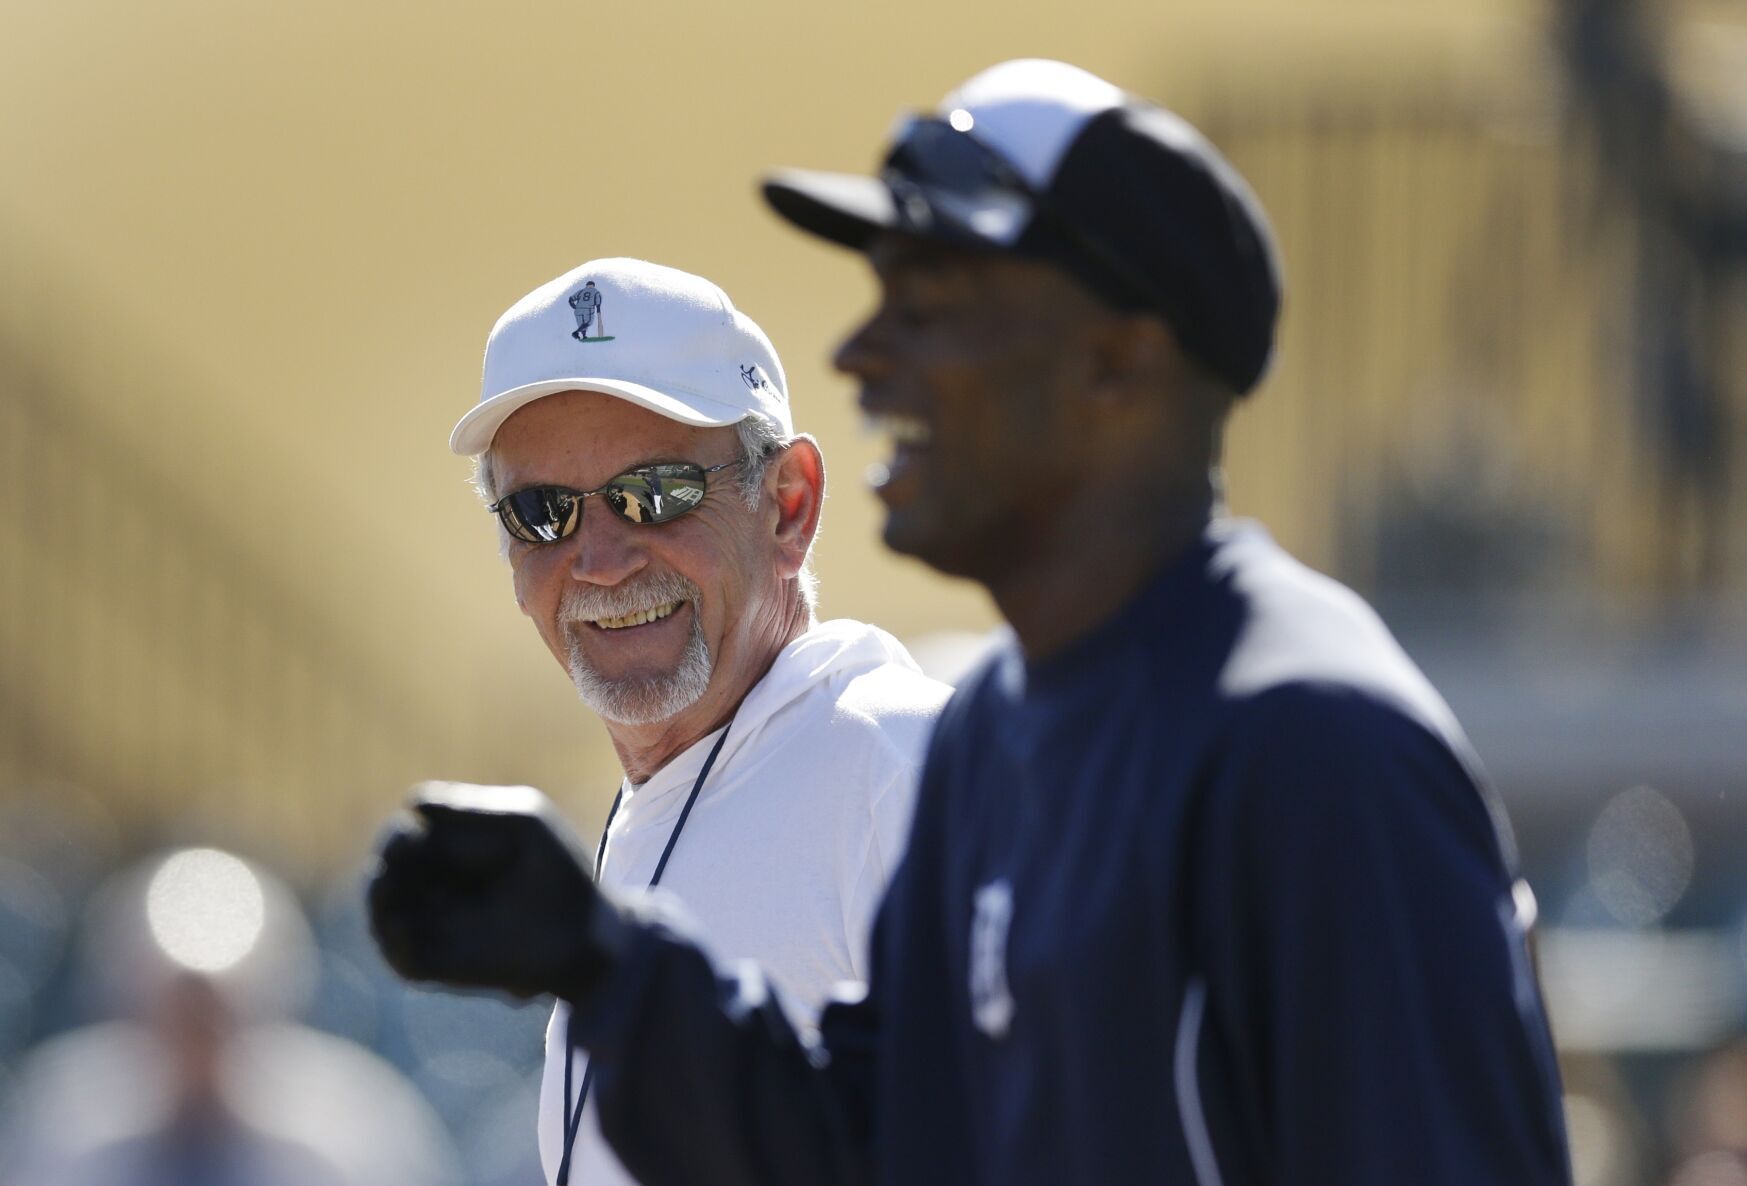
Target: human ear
[(1132, 354), (797, 486)]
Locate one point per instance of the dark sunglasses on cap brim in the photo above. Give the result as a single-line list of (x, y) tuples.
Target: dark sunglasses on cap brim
[(946, 181), (649, 494)]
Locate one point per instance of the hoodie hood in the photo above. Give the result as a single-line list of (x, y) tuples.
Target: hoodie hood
[(840, 648)]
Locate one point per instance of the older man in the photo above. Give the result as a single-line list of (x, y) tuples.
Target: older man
[(1203, 886), (658, 508)]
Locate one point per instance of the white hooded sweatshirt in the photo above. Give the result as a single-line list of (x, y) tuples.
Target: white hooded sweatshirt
[(786, 854)]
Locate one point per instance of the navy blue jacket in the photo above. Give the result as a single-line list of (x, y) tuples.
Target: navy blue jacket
[(1215, 898)]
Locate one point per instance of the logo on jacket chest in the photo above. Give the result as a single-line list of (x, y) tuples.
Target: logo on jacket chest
[(991, 1001)]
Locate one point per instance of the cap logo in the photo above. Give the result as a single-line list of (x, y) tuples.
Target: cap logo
[(753, 377), (588, 303)]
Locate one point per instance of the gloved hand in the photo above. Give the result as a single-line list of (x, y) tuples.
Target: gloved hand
[(486, 887)]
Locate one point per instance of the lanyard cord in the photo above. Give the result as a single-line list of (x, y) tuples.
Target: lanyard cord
[(573, 1120)]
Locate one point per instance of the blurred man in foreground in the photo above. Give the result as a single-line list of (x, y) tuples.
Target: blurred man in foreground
[(658, 509), (1203, 885)]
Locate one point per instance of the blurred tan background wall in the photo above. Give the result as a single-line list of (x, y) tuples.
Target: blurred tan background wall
[(249, 254)]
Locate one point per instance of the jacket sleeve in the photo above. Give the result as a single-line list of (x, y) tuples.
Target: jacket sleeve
[(699, 1077), (1371, 1013)]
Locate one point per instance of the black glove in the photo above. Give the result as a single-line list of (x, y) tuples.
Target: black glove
[(486, 887)]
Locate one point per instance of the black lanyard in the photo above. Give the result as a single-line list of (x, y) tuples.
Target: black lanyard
[(573, 1120)]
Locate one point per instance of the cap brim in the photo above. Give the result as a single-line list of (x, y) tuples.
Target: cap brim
[(851, 210), (842, 207), (473, 434)]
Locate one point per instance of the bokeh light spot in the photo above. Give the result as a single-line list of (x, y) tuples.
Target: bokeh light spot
[(205, 909), (1640, 856)]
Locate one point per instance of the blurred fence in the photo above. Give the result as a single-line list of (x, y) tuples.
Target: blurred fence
[(1469, 377)]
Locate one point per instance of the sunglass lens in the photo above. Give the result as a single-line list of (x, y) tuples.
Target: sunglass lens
[(656, 493), (935, 154), (541, 514), (631, 501)]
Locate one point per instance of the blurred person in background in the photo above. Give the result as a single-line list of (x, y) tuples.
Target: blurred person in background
[(1204, 886), (201, 1080), (657, 509)]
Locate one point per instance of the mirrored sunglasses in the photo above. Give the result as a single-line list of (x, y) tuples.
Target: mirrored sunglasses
[(647, 494)]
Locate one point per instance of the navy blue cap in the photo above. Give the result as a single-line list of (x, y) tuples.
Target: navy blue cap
[(1056, 164)]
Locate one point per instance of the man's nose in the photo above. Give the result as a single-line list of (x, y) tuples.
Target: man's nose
[(606, 549), (863, 353)]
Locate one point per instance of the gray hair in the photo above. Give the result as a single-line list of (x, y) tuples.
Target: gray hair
[(761, 439)]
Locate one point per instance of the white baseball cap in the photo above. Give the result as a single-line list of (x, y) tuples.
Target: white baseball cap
[(656, 336)]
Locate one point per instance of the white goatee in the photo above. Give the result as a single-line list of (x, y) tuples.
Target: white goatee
[(639, 700)]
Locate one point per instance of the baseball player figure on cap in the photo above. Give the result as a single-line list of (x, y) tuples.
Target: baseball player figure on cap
[(589, 303), (1205, 886)]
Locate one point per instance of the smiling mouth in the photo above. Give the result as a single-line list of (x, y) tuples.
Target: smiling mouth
[(904, 431), (909, 438), (639, 617)]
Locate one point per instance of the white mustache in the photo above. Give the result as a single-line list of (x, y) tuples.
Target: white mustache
[(590, 603)]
